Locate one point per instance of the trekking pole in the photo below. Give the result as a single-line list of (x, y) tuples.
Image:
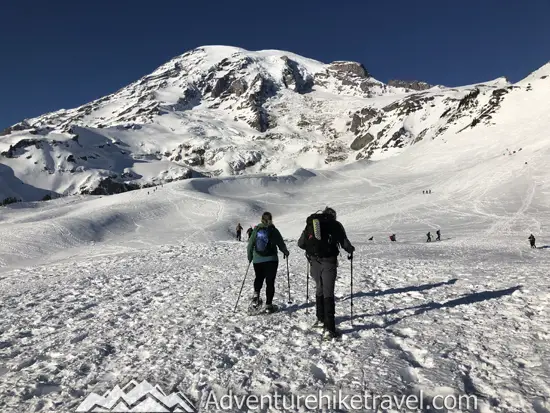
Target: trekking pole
[(307, 286), (242, 286), (288, 279), (351, 284)]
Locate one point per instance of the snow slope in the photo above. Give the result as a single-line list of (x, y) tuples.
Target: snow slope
[(100, 290), (224, 111)]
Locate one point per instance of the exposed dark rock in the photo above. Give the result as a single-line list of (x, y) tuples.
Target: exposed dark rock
[(350, 67), (264, 89), (421, 136), (340, 157), (22, 144), (413, 85), (293, 78), (361, 118), (238, 87), (397, 139), (221, 85), (361, 141), (108, 186), (17, 127), (409, 104)]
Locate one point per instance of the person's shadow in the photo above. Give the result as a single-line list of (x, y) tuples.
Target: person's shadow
[(424, 308), (374, 293)]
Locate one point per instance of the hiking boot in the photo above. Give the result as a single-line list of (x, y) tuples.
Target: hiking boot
[(256, 302), (318, 324), (331, 335), (270, 308)]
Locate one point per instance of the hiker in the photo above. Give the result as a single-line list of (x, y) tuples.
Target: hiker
[(371, 238), (392, 237), (438, 232), (429, 237), (239, 230), (320, 239), (532, 241), (249, 232), (262, 252)]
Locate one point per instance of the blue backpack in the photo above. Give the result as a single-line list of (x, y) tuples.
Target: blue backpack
[(262, 244)]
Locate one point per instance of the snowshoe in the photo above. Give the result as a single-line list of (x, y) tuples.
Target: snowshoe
[(271, 308), (255, 305), (331, 335), (318, 324)]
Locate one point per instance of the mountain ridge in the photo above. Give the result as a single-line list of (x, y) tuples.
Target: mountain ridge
[(221, 110)]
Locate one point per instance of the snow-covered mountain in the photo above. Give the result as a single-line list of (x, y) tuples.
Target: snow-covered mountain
[(218, 111)]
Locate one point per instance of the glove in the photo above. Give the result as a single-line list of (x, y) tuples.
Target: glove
[(350, 256), (286, 254)]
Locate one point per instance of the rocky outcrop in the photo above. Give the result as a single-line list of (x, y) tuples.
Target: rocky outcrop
[(17, 127), (361, 141), (349, 67), (294, 79), (260, 90), (411, 85), (361, 118), (109, 186)]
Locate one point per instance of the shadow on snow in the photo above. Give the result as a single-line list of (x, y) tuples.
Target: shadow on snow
[(424, 308)]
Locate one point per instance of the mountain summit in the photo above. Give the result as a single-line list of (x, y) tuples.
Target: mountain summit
[(220, 110)]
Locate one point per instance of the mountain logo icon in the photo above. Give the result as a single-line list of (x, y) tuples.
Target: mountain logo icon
[(137, 397)]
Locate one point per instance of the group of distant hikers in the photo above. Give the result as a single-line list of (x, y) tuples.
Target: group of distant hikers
[(321, 239)]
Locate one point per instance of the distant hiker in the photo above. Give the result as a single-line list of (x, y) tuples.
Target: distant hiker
[(249, 232), (320, 239), (429, 235), (424, 192), (392, 237), (532, 241), (262, 252), (239, 229), (430, 191), (438, 232), (371, 238)]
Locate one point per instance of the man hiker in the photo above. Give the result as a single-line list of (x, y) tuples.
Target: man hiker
[(249, 232), (392, 237), (532, 241), (438, 232), (239, 229), (429, 237), (262, 252), (320, 239)]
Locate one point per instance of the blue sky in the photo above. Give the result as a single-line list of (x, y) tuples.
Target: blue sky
[(63, 53)]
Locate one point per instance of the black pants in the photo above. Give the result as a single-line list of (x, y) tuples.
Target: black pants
[(238, 235), (323, 271), (266, 271), (533, 244)]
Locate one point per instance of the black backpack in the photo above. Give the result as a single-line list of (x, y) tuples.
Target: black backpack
[(263, 244), (320, 239)]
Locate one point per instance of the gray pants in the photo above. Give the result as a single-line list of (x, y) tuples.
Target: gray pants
[(323, 271)]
